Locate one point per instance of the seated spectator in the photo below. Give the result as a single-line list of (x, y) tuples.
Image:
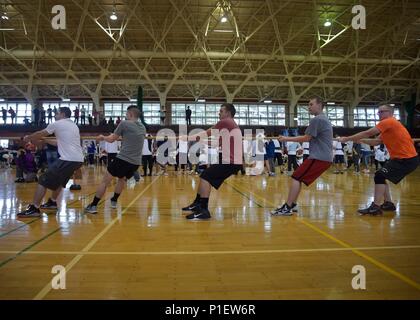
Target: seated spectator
[(26, 167)]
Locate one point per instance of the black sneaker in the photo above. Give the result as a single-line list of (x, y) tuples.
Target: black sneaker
[(294, 207), (75, 187), (388, 206), (192, 207), (202, 214), (284, 210), (373, 209), (30, 212), (49, 204)]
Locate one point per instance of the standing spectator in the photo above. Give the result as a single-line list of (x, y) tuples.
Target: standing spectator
[(36, 115), (357, 152), (95, 117), (117, 122), (49, 114), (90, 119), (188, 115), (43, 117), (76, 115), (4, 114), (292, 147), (55, 111), (12, 115), (269, 157), (83, 115), (91, 150), (147, 157)]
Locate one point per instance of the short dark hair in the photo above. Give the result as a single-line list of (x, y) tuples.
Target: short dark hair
[(66, 111), (229, 107), (318, 100), (134, 110)]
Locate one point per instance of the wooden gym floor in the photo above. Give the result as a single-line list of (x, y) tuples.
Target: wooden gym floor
[(146, 249)]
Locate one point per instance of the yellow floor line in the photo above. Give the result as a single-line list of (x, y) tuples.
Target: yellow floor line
[(215, 252), (76, 259), (342, 243)]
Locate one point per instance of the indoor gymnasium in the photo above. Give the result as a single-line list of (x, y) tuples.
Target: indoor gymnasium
[(209, 150)]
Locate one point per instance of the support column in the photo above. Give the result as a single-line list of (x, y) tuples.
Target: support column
[(292, 111), (162, 99)]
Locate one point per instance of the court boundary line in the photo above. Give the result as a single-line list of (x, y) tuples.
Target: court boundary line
[(47, 288), (215, 252), (373, 261)]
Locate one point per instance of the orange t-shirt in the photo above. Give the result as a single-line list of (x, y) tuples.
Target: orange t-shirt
[(396, 139)]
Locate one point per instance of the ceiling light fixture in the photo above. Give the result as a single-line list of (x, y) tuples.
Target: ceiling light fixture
[(268, 101), (224, 19), (327, 23), (4, 16), (201, 100)]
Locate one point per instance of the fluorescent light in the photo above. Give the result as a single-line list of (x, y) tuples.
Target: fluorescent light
[(392, 104), (327, 23), (65, 100), (331, 103), (296, 119), (224, 19), (7, 29), (133, 100), (268, 101), (4, 16), (221, 30), (201, 100), (1, 100)]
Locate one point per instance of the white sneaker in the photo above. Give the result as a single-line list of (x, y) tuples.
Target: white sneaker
[(113, 204)]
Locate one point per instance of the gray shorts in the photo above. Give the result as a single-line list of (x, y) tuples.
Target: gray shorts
[(58, 174)]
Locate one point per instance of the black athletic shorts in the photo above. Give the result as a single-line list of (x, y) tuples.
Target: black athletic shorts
[(58, 174), (339, 158), (217, 173), (120, 168), (395, 170)]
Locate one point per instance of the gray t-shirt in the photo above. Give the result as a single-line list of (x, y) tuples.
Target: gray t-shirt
[(321, 144), (132, 134)]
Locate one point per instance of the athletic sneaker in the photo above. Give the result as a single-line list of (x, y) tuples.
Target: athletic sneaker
[(294, 207), (284, 210), (113, 204), (202, 214), (91, 209), (192, 207), (30, 212), (373, 209), (388, 206), (49, 204)]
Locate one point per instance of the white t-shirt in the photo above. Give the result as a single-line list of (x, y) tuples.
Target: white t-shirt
[(146, 151), (305, 146), (183, 146), (68, 139), (292, 147), (338, 148), (277, 146), (380, 155), (111, 147)]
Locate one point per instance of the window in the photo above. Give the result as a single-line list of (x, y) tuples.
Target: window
[(22, 110), (336, 115), (72, 105), (303, 115), (366, 116), (119, 109), (246, 114)]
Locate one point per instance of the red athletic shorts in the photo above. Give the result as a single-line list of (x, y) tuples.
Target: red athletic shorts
[(310, 170)]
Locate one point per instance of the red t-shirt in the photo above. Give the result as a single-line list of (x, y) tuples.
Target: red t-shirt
[(229, 131)]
